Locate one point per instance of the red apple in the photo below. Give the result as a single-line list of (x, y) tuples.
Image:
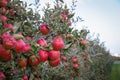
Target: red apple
[(9, 42), (54, 63), (5, 35), (74, 60), (8, 58), (53, 55), (64, 16), (2, 76), (22, 62), (9, 26), (27, 48), (75, 66), (19, 46), (84, 42), (42, 42), (58, 43), (44, 29), (43, 55), (25, 77), (3, 52), (33, 60), (3, 10), (64, 58), (3, 18), (3, 3)]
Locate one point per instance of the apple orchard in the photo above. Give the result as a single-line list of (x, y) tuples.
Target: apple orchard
[(35, 47)]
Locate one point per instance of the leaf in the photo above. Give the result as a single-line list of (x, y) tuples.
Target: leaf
[(71, 15), (30, 4), (27, 24), (62, 1), (89, 60), (16, 26), (18, 36), (67, 46), (31, 76), (5, 30)]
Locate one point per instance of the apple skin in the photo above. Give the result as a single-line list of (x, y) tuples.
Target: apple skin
[(44, 29), (43, 55), (54, 63), (53, 55), (3, 3), (58, 43), (3, 18), (42, 42), (75, 66), (2, 76), (64, 58), (74, 60), (84, 42), (33, 60)]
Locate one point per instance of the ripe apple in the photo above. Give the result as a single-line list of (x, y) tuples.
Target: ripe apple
[(64, 16), (84, 42), (42, 42), (27, 48), (22, 62), (3, 52), (3, 3), (53, 55), (19, 46), (9, 26), (3, 10), (64, 58), (44, 29), (3, 18), (54, 63), (33, 60), (25, 77), (58, 43), (75, 66), (43, 55), (2, 76), (9, 42), (74, 60), (8, 58)]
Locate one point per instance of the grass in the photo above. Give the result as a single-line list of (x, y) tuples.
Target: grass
[(115, 73)]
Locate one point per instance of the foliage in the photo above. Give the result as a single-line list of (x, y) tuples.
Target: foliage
[(115, 72), (36, 45)]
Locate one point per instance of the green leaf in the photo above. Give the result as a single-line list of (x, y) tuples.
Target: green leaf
[(31, 76), (16, 26), (62, 1), (71, 15), (17, 36), (89, 60), (68, 46)]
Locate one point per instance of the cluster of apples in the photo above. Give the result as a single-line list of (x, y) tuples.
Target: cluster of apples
[(73, 60), (9, 44), (3, 12), (75, 64), (53, 55), (7, 41)]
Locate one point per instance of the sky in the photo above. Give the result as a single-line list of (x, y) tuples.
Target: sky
[(101, 17)]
